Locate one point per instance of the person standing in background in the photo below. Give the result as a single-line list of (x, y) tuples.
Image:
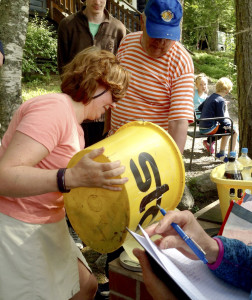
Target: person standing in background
[(92, 25), (162, 73), (2, 56)]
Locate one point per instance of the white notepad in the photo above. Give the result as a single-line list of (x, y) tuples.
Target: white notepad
[(193, 277)]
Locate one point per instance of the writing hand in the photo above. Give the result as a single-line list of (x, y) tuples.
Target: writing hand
[(170, 238)]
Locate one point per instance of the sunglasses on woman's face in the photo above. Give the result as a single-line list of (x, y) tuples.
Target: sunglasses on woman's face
[(96, 96)]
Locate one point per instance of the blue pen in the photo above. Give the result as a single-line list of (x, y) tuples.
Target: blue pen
[(190, 242)]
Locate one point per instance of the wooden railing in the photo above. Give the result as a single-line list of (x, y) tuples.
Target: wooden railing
[(58, 9), (130, 18)]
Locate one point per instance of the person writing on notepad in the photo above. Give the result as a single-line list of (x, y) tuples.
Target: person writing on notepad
[(228, 259)]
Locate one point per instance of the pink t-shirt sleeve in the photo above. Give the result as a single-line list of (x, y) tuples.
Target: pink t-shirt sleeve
[(44, 121), (51, 121)]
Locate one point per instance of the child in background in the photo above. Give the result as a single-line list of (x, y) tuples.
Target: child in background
[(215, 106), (201, 91)]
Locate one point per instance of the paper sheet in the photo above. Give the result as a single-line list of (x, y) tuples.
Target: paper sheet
[(129, 245), (193, 277)]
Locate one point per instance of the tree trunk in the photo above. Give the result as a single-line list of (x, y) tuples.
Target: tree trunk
[(244, 71), (181, 23), (213, 40), (13, 26)]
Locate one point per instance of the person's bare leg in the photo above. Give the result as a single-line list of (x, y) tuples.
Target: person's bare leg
[(235, 135), (223, 144), (88, 284)]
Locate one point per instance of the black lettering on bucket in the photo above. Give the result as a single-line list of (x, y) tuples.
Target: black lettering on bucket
[(144, 186)]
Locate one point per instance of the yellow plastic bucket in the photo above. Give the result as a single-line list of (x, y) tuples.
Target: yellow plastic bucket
[(224, 186), (156, 175)]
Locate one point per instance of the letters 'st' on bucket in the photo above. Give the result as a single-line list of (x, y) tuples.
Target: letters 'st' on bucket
[(156, 175)]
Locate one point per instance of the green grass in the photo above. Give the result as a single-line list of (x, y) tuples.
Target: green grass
[(216, 65), (39, 86)]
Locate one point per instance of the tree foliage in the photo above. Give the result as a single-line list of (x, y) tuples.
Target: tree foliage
[(40, 51), (207, 16)]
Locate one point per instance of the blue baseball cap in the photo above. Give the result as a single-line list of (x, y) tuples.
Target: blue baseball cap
[(163, 19)]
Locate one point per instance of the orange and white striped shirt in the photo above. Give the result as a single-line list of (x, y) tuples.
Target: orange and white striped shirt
[(160, 90)]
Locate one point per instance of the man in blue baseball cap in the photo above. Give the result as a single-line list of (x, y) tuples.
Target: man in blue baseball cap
[(162, 73), (161, 26), (163, 19)]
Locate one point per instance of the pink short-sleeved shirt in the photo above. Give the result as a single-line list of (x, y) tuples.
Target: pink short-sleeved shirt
[(51, 121)]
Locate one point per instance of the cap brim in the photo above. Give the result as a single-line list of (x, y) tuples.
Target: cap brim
[(160, 31)]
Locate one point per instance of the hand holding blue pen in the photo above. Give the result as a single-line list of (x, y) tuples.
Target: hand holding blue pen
[(190, 242)]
